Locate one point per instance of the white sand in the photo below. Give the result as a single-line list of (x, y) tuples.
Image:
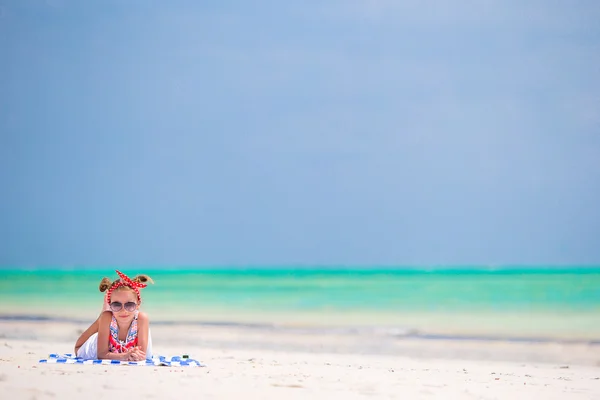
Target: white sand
[(268, 364)]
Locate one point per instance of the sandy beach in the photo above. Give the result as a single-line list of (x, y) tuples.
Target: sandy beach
[(314, 200), (268, 363)]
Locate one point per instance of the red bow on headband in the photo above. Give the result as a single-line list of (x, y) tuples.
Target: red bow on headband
[(126, 281)]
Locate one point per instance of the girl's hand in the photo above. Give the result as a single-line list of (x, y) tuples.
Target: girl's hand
[(135, 354), (139, 354)]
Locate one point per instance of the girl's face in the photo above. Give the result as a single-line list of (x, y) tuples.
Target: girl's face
[(124, 303)]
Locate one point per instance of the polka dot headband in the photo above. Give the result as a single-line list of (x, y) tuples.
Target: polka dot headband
[(126, 281)]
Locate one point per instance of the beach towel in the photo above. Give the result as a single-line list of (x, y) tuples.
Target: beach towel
[(177, 361)]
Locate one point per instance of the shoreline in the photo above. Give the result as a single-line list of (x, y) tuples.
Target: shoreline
[(370, 332), (489, 327)]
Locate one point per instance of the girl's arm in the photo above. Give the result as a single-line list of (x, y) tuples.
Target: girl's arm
[(143, 328), (86, 335), (93, 327)]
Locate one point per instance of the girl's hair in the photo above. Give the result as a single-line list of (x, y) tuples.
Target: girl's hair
[(106, 283)]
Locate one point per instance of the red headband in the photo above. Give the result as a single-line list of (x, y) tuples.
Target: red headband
[(125, 281)]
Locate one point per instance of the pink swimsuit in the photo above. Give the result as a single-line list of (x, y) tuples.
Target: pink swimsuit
[(118, 346)]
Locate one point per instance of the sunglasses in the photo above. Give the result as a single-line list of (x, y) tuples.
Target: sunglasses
[(117, 306)]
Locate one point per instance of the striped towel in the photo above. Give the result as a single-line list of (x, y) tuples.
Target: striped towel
[(177, 361)]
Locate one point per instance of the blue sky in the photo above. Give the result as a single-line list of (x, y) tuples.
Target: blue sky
[(314, 132)]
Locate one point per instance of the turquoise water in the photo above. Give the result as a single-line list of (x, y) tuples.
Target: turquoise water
[(317, 290)]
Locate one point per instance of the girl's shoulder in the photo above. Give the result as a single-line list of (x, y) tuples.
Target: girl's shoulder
[(143, 317), (105, 318)]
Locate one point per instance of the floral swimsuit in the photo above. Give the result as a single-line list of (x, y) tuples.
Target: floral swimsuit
[(119, 346)]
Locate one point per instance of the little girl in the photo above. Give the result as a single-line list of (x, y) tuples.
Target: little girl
[(121, 332)]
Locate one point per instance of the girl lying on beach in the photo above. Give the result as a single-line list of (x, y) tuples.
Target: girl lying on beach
[(121, 332)]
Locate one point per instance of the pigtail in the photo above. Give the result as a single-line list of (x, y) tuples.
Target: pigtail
[(142, 279), (105, 283)]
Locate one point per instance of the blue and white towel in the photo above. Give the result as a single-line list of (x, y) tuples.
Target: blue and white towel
[(177, 361)]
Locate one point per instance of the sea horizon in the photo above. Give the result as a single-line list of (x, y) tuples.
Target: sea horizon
[(313, 267)]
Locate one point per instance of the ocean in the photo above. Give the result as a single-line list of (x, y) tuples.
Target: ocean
[(509, 302)]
